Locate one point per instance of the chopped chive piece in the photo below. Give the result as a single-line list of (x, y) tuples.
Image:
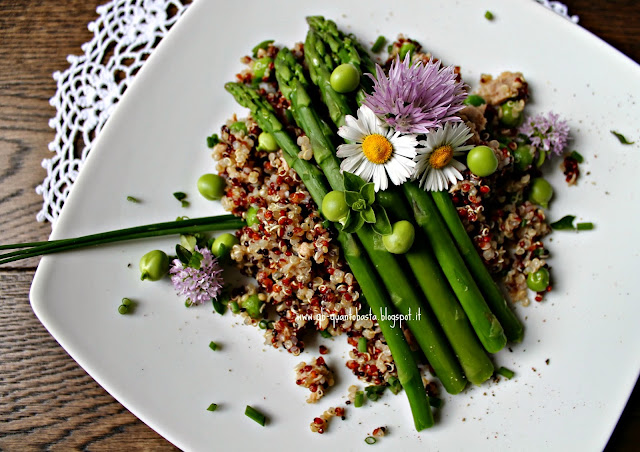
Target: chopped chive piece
[(565, 222), (263, 45), (435, 402), (234, 306), (488, 15), (359, 399), (325, 334), (362, 344), (133, 199), (379, 44), (212, 407), (213, 140), (122, 309), (370, 440), (621, 138), (584, 226), (263, 324), (213, 346), (374, 392), (179, 195), (575, 155), (506, 373), (126, 302), (407, 47), (394, 385), (255, 415)]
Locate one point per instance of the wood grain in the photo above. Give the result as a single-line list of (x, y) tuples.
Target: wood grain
[(47, 401)]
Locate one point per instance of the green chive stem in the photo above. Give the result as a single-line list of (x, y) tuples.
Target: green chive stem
[(255, 415), (379, 44), (204, 224), (584, 226), (506, 373), (362, 344)]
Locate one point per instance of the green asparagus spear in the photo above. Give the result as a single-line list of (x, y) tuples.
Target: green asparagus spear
[(328, 28), (320, 67), (494, 298), (474, 361), (408, 372), (341, 49), (426, 330), (484, 322)]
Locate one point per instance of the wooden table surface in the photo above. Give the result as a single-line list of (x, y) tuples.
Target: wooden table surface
[(47, 400)]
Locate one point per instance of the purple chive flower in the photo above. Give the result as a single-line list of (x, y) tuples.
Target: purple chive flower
[(198, 284), (548, 133), (414, 98)]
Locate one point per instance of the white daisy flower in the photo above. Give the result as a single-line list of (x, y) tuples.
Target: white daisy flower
[(435, 165), (376, 152)]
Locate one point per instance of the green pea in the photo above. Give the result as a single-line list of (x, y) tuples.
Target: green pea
[(334, 206), (475, 100), (154, 265), (482, 161), (260, 67), (540, 192), (239, 126), (511, 113), (252, 305), (251, 217), (401, 238), (266, 142), (407, 47), (222, 245), (345, 78), (523, 156), (538, 281), (211, 186)]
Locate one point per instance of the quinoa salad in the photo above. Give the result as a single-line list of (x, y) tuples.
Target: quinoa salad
[(478, 148), (375, 198)]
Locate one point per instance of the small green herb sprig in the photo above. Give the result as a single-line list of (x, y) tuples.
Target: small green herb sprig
[(363, 208)]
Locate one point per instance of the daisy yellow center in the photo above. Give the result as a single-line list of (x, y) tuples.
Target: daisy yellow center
[(440, 157), (377, 148)]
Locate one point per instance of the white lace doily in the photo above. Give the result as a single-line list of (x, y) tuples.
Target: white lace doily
[(124, 35)]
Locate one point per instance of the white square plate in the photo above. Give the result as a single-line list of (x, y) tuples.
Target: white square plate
[(157, 363)]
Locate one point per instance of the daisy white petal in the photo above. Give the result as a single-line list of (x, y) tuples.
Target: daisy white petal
[(348, 150)]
